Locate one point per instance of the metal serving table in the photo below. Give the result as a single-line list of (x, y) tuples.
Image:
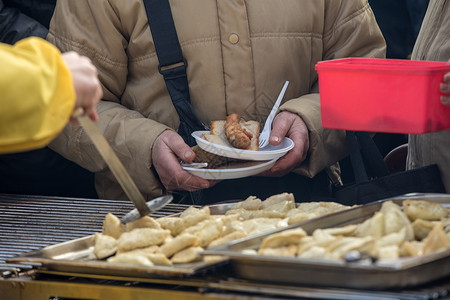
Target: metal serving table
[(29, 223)]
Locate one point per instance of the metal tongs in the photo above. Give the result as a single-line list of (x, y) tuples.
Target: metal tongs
[(143, 208)]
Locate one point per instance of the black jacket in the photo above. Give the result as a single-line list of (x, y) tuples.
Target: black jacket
[(23, 18), (399, 21)]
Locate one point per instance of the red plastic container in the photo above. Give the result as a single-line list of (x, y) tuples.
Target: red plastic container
[(382, 95)]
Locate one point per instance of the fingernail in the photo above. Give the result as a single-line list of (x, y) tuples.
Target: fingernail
[(444, 87), (445, 100), (187, 154), (204, 185), (275, 139)]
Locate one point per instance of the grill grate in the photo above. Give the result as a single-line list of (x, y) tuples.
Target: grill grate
[(28, 223)]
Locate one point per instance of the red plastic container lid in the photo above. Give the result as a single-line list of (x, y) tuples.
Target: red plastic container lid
[(381, 64)]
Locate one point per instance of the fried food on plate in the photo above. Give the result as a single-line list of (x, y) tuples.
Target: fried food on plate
[(234, 132), (237, 135)]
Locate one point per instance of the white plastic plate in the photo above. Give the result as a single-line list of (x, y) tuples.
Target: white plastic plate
[(267, 153), (237, 170)]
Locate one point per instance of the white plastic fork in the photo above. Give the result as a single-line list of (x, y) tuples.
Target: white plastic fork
[(265, 133)]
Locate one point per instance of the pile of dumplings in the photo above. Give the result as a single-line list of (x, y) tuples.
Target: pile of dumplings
[(179, 239), (413, 229)]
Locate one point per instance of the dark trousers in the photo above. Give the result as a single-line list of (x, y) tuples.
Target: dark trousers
[(44, 172), (304, 189)]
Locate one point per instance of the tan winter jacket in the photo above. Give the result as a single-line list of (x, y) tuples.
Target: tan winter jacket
[(239, 54), (433, 43)]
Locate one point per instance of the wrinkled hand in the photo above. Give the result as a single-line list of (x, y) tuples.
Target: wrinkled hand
[(445, 88), (85, 81), (168, 149), (289, 125)]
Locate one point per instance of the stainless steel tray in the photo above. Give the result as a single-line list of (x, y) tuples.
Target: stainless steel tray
[(381, 274), (77, 257)]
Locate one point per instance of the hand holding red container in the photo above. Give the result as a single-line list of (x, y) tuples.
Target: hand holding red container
[(445, 88)]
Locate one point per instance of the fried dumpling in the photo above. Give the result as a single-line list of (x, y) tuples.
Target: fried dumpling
[(144, 222), (158, 259), (425, 210), (342, 246), (436, 240), (421, 228), (187, 255), (373, 226), (283, 238), (393, 239), (209, 232), (395, 219), (277, 199), (287, 251), (313, 252), (258, 225), (411, 248), (251, 203), (253, 214), (282, 207), (141, 237), (104, 245), (177, 244), (192, 215), (129, 258), (388, 252), (343, 230), (227, 238), (174, 224), (112, 226), (301, 217)]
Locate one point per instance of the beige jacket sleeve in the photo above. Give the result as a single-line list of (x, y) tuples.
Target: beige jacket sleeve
[(350, 31), (129, 133)]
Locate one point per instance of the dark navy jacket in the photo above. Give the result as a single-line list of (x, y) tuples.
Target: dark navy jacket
[(23, 18)]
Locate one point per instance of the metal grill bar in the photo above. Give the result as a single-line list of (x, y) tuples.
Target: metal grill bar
[(29, 223)]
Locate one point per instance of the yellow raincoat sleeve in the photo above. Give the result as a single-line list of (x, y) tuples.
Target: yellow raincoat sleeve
[(36, 95)]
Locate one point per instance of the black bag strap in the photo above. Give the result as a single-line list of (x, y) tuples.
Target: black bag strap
[(355, 157), (372, 179), (172, 65), (372, 156)]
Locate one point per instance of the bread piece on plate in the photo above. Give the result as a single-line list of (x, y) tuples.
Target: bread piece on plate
[(218, 128), (217, 134)]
